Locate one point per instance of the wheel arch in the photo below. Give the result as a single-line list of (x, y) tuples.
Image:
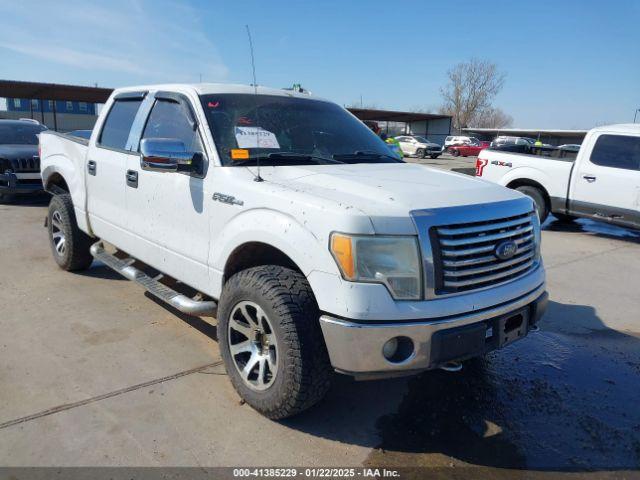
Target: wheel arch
[(522, 182), (56, 183), (256, 254)]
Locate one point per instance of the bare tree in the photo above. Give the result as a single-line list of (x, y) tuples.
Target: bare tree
[(493, 118), (472, 87)]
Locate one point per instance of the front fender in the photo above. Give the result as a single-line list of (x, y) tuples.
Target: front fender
[(278, 230)]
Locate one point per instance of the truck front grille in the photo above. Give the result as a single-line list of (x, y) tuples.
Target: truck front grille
[(29, 164), (465, 254)]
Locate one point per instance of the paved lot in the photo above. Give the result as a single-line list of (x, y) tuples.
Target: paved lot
[(448, 162), (93, 372)]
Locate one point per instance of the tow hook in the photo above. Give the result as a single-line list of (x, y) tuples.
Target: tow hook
[(451, 367), (534, 328)]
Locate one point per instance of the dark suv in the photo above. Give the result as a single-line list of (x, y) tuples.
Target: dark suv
[(19, 161)]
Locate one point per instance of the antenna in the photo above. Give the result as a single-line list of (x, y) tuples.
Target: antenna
[(258, 178)]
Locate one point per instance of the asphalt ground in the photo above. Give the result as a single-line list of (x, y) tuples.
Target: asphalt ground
[(93, 372)]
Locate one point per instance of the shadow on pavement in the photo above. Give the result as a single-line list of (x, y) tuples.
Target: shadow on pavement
[(591, 227), (100, 270), (36, 200), (565, 398)]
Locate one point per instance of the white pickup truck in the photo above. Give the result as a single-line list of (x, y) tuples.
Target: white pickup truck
[(602, 182), (287, 219)]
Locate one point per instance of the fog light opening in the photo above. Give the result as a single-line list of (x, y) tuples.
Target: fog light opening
[(397, 349)]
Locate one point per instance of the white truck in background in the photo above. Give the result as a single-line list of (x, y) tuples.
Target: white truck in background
[(287, 219), (602, 182)]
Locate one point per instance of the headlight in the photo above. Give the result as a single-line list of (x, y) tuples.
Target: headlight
[(391, 261), (537, 234)]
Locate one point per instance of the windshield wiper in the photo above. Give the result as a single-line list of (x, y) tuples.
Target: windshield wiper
[(364, 155), (288, 156)]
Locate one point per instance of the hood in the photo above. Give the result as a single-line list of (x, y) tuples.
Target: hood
[(11, 152), (388, 192), (429, 145)]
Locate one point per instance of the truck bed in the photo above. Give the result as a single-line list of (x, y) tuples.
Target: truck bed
[(66, 155), (509, 168)]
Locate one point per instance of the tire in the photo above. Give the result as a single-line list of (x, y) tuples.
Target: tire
[(538, 198), (420, 153), (434, 156), (293, 373), (69, 245), (454, 152)]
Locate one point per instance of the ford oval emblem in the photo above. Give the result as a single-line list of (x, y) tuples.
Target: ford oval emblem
[(505, 250)]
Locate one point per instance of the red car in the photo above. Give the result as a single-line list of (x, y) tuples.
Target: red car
[(468, 150)]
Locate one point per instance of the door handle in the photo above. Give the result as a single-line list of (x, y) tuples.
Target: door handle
[(91, 167), (589, 178), (132, 178)]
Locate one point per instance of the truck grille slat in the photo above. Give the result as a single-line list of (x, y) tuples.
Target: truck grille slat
[(30, 164), (485, 238), (483, 228), (489, 268), (465, 258), (479, 260), (489, 278), (486, 248)]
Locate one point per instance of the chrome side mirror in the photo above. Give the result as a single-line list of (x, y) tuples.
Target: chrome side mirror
[(164, 155)]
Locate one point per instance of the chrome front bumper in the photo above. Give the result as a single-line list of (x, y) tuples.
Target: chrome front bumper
[(356, 348)]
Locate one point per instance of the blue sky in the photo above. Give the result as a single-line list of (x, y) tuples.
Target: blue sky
[(569, 64)]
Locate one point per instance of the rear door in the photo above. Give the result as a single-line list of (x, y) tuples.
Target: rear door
[(168, 212), (606, 185), (105, 167)]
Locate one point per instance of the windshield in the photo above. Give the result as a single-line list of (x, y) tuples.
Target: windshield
[(285, 130), (17, 134), (422, 139)]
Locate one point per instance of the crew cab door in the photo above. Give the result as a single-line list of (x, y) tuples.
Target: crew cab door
[(606, 182), (168, 212), (105, 166)]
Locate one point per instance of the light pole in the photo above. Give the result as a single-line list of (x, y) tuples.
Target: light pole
[(635, 114)]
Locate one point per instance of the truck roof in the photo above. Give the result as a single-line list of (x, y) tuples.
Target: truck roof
[(213, 88), (619, 128)]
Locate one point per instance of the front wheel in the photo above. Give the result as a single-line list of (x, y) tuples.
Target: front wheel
[(420, 153), (271, 342), (538, 199), (69, 245), (434, 156), (455, 152)]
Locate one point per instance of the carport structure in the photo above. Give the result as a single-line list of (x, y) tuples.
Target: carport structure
[(52, 91), (434, 127), (550, 136)]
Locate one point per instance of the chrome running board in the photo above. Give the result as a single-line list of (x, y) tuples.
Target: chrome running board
[(190, 306)]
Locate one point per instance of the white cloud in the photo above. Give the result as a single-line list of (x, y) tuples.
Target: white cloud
[(139, 41)]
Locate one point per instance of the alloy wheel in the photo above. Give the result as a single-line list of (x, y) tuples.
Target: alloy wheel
[(253, 345), (57, 234)]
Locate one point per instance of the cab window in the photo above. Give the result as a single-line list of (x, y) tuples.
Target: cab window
[(117, 126), (617, 151), (170, 119)]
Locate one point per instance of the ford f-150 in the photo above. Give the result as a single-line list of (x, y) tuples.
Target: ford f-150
[(286, 218), (602, 182)]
